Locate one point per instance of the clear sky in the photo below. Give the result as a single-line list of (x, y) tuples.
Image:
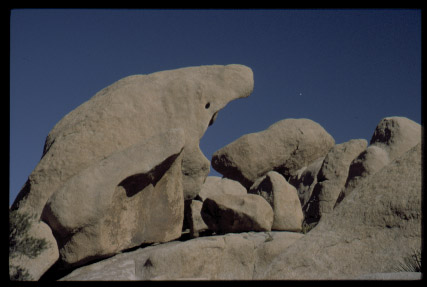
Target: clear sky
[(344, 69)]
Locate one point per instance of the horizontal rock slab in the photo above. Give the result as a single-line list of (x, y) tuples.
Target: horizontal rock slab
[(391, 276), (285, 147), (242, 256), (226, 213)]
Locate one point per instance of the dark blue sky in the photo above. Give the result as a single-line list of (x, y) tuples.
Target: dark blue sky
[(345, 69)]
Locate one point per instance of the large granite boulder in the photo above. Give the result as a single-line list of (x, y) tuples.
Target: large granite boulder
[(283, 198), (285, 147), (370, 231), (118, 118), (130, 111)]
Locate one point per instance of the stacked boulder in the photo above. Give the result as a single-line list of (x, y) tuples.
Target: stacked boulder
[(124, 170), (285, 147)]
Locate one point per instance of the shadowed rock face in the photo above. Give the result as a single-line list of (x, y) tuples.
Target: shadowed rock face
[(129, 111), (228, 213)]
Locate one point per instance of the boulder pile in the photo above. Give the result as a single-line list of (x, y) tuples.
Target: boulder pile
[(122, 191)]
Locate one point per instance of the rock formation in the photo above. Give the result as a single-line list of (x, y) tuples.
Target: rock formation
[(122, 179), (122, 115), (370, 231), (130, 111), (285, 147)]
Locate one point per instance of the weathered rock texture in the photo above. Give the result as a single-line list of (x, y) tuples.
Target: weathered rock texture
[(226, 213), (332, 177), (243, 256), (370, 231), (284, 200), (285, 147), (132, 197)]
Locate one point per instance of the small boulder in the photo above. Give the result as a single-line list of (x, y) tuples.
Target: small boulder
[(285, 147), (214, 185), (284, 200), (226, 213)]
